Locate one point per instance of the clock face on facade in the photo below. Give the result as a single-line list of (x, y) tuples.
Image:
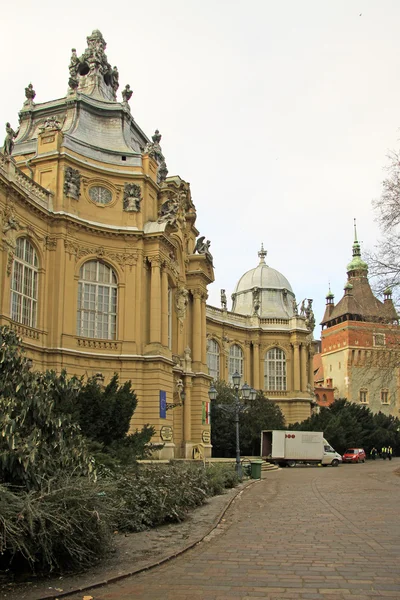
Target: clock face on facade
[(100, 195)]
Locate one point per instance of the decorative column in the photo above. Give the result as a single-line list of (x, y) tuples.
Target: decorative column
[(197, 315), (256, 366), (155, 300), (303, 368), (310, 369), (247, 365), (203, 330), (187, 410), (296, 366), (164, 307)]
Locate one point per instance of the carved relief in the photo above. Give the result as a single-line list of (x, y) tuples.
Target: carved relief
[(73, 248), (132, 197), (72, 183), (51, 123), (10, 225), (50, 243), (181, 302)]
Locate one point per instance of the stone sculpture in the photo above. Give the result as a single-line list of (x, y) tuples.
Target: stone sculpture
[(127, 93), (132, 197), (181, 302), (256, 300), (153, 149), (295, 308), (203, 247), (51, 123), (29, 95), (72, 183), (9, 140), (223, 299)]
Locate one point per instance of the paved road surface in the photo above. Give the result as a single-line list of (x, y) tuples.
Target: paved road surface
[(302, 533)]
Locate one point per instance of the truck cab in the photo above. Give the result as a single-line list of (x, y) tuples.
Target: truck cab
[(330, 457)]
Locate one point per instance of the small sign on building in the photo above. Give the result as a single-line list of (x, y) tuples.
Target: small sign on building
[(163, 404)]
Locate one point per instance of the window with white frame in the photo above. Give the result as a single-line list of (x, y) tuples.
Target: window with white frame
[(363, 396), (213, 359), (24, 283), (97, 301), (275, 370), (235, 361), (385, 396)]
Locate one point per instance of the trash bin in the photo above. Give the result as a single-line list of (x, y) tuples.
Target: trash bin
[(256, 469)]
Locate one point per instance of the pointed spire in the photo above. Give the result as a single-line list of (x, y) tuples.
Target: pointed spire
[(262, 254), (330, 296), (357, 264)]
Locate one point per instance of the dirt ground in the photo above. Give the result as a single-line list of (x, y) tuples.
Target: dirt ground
[(132, 552)]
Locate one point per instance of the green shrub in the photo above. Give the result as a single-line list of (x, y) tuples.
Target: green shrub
[(219, 477), (66, 526)]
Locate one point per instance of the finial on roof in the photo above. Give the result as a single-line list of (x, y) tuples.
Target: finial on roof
[(329, 294), (262, 254), (355, 229)]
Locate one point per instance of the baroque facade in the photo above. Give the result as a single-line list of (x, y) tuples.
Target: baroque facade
[(101, 272), (360, 343)]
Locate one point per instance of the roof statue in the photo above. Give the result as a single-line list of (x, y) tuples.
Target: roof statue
[(29, 95), (9, 140), (153, 149), (127, 94), (91, 73), (203, 247)]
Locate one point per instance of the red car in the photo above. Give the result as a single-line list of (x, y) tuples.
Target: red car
[(354, 455)]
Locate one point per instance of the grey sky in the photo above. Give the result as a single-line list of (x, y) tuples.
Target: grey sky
[(279, 114)]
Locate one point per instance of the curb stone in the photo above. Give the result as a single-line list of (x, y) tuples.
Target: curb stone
[(156, 563)]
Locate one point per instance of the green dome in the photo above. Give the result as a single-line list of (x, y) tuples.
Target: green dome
[(357, 264)]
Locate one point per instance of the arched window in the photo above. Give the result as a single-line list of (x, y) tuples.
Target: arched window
[(24, 284), (275, 370), (235, 361), (97, 301), (213, 359), (324, 399)]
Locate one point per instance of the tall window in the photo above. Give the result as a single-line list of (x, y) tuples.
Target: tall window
[(97, 301), (275, 370), (235, 361), (213, 359), (364, 396), (385, 396), (24, 284)]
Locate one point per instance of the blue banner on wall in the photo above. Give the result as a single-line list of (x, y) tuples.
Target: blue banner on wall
[(163, 405)]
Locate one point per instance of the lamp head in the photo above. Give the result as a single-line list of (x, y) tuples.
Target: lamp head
[(236, 380), (212, 392)]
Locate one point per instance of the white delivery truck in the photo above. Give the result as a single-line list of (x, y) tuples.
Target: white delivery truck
[(288, 448)]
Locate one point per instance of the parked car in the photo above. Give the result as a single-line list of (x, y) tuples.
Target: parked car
[(354, 455)]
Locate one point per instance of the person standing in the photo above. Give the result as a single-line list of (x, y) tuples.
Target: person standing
[(373, 453), (384, 452), (389, 452)]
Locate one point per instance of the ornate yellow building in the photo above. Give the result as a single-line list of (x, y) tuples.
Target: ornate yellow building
[(100, 270)]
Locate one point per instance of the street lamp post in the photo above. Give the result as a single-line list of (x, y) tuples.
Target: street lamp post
[(247, 393)]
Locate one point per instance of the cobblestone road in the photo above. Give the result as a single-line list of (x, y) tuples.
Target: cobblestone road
[(303, 533)]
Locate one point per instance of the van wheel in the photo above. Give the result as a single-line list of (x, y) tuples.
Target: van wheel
[(335, 462), (291, 463)]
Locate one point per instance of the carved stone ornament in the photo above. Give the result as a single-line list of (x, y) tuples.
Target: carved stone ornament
[(72, 183), (181, 302), (203, 247), (132, 197), (50, 124), (29, 95), (10, 226), (9, 140), (127, 94), (256, 300), (74, 248), (295, 308), (153, 149), (309, 314), (223, 300), (93, 64)]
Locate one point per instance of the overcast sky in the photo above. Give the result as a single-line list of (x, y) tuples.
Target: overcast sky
[(279, 113)]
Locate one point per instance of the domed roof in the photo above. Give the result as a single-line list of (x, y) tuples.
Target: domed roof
[(263, 277), (263, 291)]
